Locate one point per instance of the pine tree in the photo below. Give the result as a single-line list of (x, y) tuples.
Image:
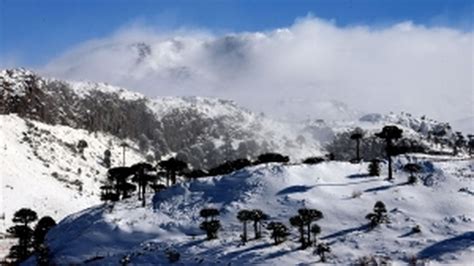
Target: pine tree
[(142, 178), (41, 229)]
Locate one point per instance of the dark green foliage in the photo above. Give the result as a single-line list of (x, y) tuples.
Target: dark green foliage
[(357, 135), (309, 216), (315, 231), (119, 177), (142, 178), (244, 216), (313, 160), (172, 167), (378, 216), (279, 232), (211, 228), (172, 255), (24, 233), (321, 250), (209, 213), (257, 216), (342, 147), (374, 167), (416, 229), (41, 229), (297, 221), (107, 194), (229, 167), (271, 158), (42, 255), (412, 168), (389, 134), (106, 160), (196, 173), (81, 145)]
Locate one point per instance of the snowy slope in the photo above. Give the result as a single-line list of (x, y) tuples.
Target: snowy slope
[(42, 170), (102, 235)]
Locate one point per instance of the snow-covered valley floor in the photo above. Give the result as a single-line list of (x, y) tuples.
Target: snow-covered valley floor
[(441, 204)]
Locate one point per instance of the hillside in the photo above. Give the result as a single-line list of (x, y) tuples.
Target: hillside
[(441, 204)]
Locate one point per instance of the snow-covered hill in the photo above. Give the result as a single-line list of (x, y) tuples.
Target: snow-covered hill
[(42, 168), (441, 204)]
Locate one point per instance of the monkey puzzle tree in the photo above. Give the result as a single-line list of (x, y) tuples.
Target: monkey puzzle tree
[(24, 233), (374, 167), (279, 232), (142, 179), (389, 134), (378, 216), (298, 222), (357, 135), (412, 169), (309, 216), (321, 250), (211, 225), (119, 176), (244, 216), (41, 229), (315, 231), (257, 216), (172, 167)]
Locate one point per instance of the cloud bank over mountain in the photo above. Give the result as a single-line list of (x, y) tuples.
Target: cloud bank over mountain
[(401, 67)]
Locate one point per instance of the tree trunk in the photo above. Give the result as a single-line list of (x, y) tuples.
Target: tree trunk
[(244, 237), (143, 194), (358, 149), (309, 234), (255, 229)]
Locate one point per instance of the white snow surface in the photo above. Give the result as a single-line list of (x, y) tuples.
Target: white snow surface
[(39, 169), (103, 235)]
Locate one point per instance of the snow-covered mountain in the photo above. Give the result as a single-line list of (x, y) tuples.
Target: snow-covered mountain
[(191, 127), (441, 205), (43, 120)]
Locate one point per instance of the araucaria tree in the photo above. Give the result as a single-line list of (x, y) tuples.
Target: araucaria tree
[(357, 135), (297, 221), (142, 178), (309, 216), (389, 134), (321, 250), (119, 176), (257, 216), (172, 167), (244, 216), (211, 225), (412, 169), (315, 231), (378, 216), (374, 167), (279, 232), (21, 230), (41, 249)]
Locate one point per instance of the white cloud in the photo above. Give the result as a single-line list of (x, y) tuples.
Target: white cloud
[(403, 67)]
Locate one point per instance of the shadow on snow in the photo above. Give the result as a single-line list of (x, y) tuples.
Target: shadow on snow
[(450, 245)]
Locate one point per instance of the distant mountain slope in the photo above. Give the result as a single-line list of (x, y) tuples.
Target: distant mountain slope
[(42, 169), (191, 127), (342, 191)]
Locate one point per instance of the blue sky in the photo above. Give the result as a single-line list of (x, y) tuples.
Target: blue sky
[(33, 32)]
